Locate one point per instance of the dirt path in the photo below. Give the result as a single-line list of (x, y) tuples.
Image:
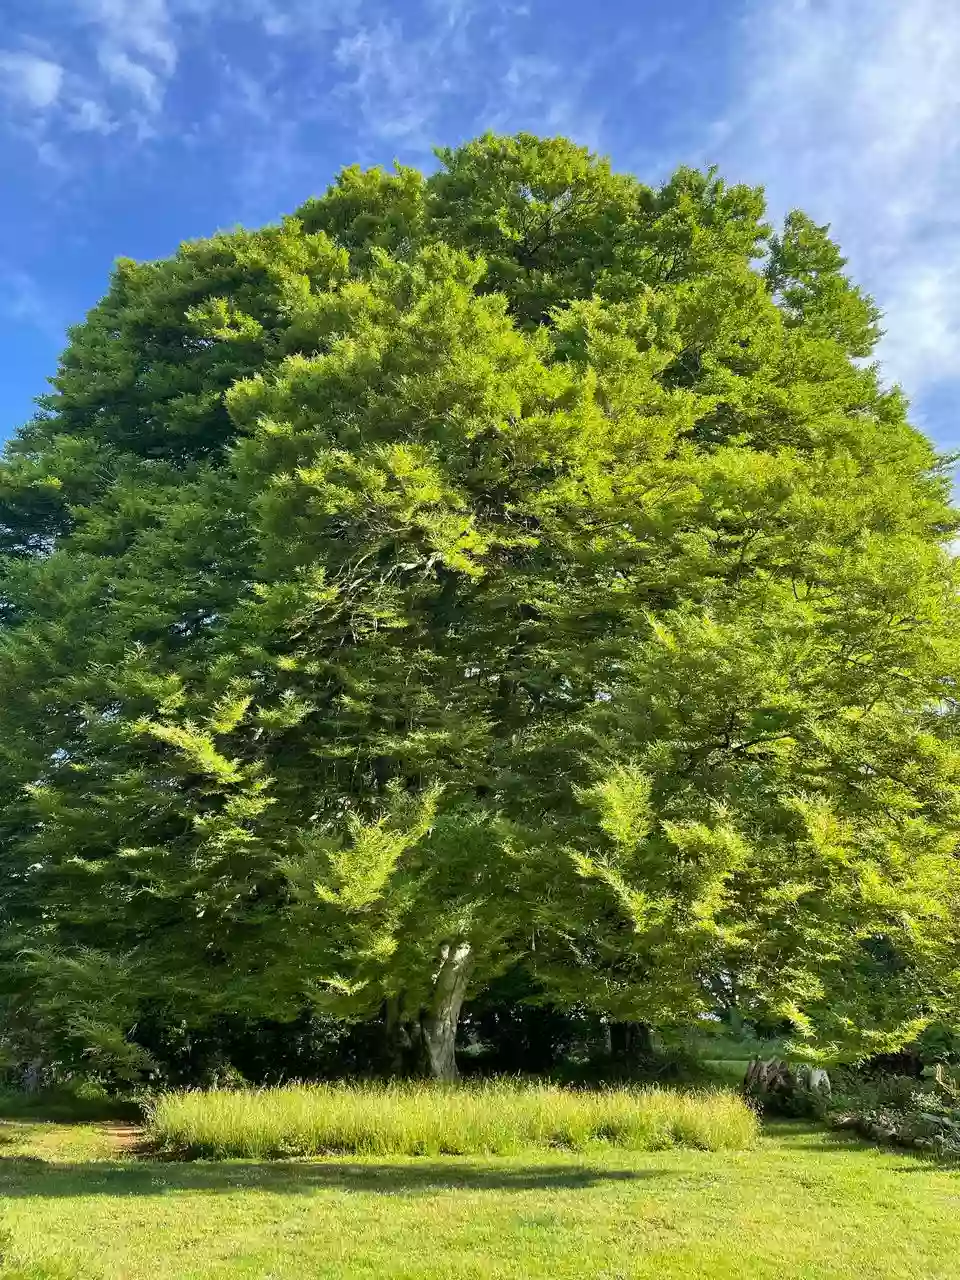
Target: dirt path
[(128, 1139)]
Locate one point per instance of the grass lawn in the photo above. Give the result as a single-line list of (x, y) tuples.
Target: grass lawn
[(804, 1205)]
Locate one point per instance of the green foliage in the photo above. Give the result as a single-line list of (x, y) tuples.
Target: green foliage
[(510, 564), (718, 1044), (498, 1118), (70, 1102), (805, 269), (924, 1114), (937, 1043)]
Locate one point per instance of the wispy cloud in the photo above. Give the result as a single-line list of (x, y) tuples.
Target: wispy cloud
[(296, 18), (110, 67), (851, 110), (145, 28), (126, 73), (115, 60), (24, 301), (270, 82), (28, 81), (393, 82), (88, 115), (136, 46), (540, 94), (387, 81), (471, 66), (393, 78)]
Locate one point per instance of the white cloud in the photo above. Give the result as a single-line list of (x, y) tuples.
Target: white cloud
[(397, 81), (394, 83), (465, 71), (23, 300), (30, 81), (119, 56), (123, 72), (850, 109), (90, 116), (136, 49), (144, 28), (537, 94), (296, 18)]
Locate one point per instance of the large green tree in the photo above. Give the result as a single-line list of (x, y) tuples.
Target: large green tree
[(518, 562)]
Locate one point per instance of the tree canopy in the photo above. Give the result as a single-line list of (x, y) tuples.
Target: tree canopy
[(517, 563)]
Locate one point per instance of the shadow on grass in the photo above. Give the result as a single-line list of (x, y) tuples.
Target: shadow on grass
[(806, 1136), (809, 1135), (30, 1176), (839, 1143)]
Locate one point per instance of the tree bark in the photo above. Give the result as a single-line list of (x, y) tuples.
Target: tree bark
[(30, 1082), (606, 1040), (438, 1022), (644, 1043), (631, 1040), (396, 1038)]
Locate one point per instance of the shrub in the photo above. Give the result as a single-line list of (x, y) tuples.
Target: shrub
[(70, 1102), (939, 1043), (902, 1110), (496, 1118), (667, 1065), (721, 1045)]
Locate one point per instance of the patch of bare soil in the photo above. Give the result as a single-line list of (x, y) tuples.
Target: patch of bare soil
[(127, 1138)]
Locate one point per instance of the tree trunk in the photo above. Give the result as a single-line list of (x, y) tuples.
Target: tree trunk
[(620, 1037), (784, 1089), (30, 1082), (631, 1040), (438, 1022), (644, 1043), (396, 1038), (606, 1040)]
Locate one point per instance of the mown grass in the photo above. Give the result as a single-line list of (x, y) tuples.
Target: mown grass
[(802, 1205), (491, 1118)]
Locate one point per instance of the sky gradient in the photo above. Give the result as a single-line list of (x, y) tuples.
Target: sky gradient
[(127, 126)]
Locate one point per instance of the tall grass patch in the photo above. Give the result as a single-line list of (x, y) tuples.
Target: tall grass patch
[(492, 1118)]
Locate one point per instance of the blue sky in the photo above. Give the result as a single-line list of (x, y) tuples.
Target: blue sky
[(129, 125)]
